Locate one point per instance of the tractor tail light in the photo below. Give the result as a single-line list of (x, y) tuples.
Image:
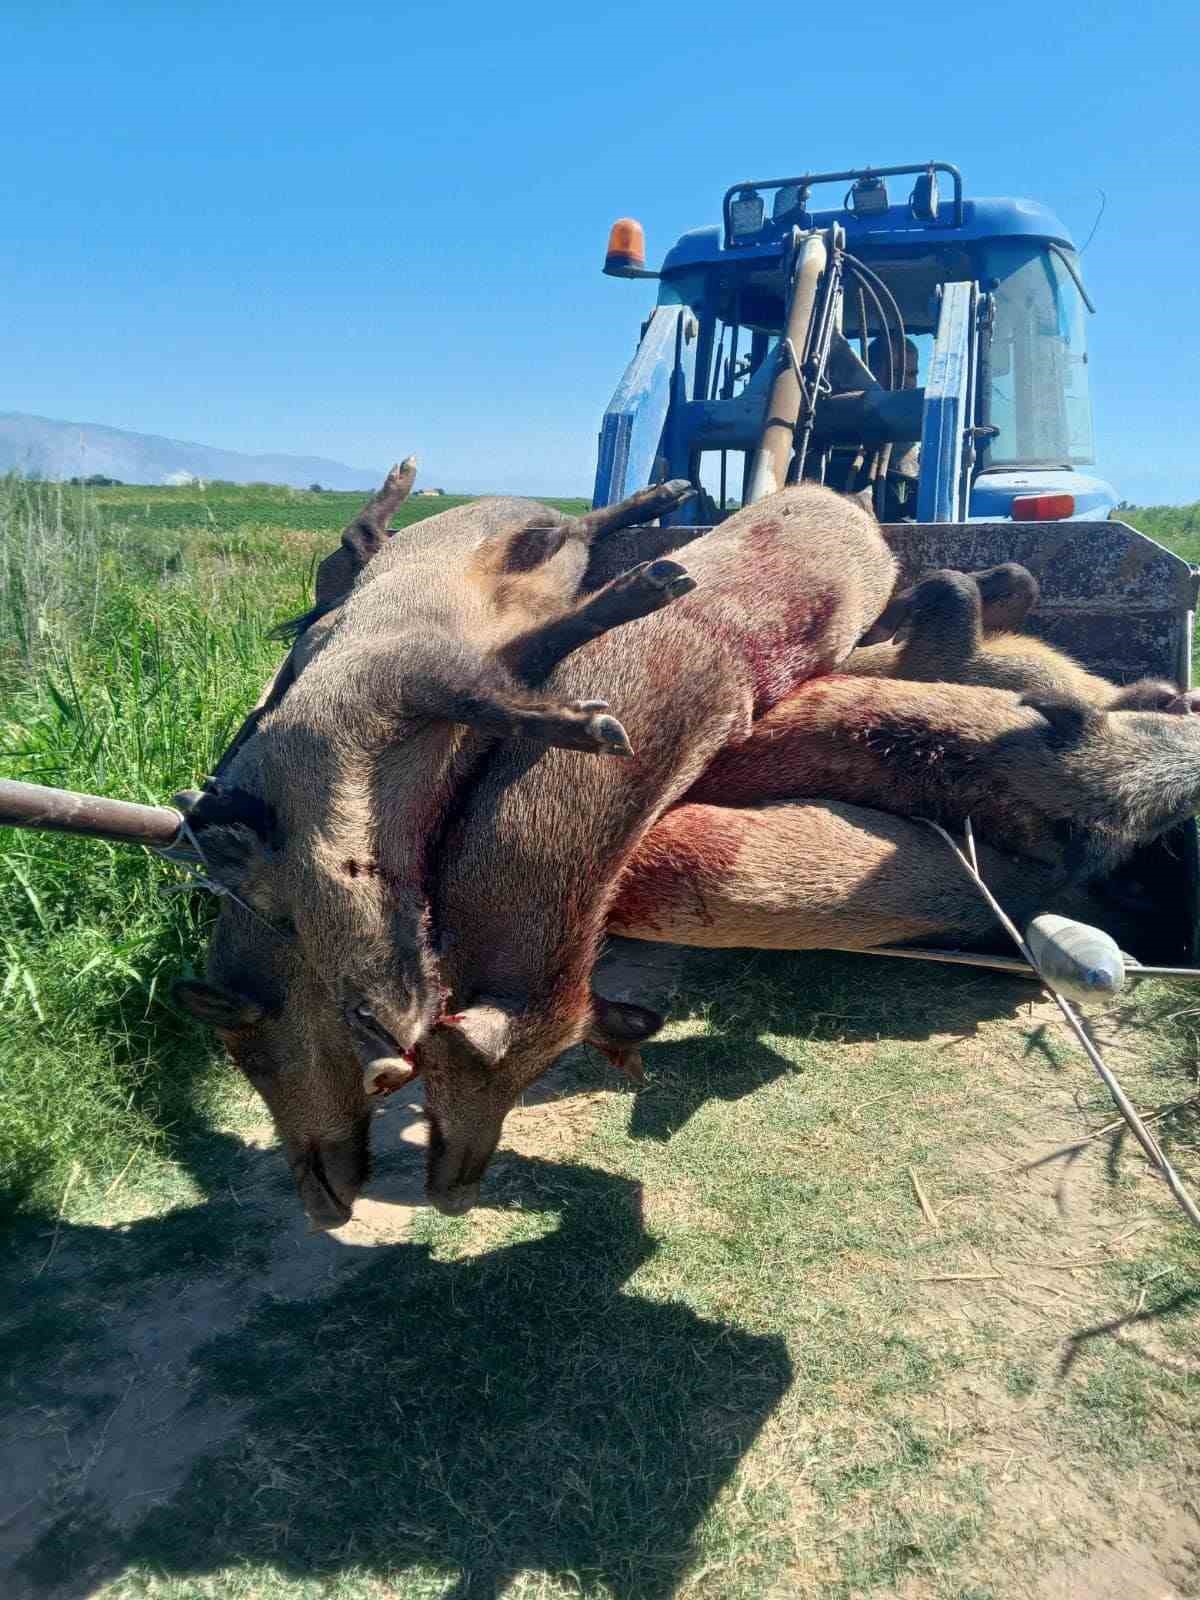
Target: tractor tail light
[(626, 247), (1042, 507)]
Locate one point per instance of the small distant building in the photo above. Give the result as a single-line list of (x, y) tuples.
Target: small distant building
[(182, 480), (421, 493)]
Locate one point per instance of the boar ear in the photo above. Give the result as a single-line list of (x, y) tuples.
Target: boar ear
[(220, 1008), (1069, 718), (230, 852), (232, 827), (531, 546), (1008, 594), (487, 1028), (621, 1022)]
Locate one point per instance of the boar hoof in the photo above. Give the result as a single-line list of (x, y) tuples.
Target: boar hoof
[(649, 587), (671, 577), (576, 725), (1185, 705), (609, 735), (601, 732)]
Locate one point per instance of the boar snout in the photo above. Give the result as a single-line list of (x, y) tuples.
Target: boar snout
[(330, 1176), (457, 1158), (455, 1202)]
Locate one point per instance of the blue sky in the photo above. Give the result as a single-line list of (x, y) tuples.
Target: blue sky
[(359, 230)]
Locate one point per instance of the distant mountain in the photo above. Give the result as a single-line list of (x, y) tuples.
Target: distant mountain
[(41, 447)]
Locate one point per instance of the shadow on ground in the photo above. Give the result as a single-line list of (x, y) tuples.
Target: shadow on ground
[(464, 1420), (743, 996)]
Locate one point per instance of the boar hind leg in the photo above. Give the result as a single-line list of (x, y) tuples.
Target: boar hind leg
[(1007, 594), (539, 540), (946, 623), (376, 692), (364, 537), (636, 593)]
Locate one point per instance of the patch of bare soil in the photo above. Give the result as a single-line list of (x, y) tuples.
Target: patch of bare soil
[(126, 1427), (1167, 1568)]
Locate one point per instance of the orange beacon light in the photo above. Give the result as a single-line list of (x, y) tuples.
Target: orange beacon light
[(626, 257)]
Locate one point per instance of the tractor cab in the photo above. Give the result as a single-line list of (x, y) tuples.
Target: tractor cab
[(944, 368)]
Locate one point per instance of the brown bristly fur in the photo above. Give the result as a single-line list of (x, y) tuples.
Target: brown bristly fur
[(1054, 780)]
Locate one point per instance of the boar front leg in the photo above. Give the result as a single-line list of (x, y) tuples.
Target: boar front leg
[(637, 593), (448, 681), (641, 506)]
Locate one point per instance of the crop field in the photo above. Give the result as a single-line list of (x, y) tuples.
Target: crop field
[(861, 1295)]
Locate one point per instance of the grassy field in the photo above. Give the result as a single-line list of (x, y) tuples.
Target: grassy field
[(701, 1340)]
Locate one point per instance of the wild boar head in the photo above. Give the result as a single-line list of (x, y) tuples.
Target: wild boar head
[(279, 1030)]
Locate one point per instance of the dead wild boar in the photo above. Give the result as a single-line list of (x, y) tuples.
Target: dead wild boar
[(813, 875), (960, 627), (1053, 780), (322, 822), (531, 864)]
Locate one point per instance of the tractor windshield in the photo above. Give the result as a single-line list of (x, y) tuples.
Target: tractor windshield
[(1039, 390)]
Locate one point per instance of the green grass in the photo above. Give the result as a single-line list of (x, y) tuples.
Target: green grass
[(1178, 527), (684, 1351)]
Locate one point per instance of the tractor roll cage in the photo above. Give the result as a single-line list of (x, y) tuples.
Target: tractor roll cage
[(807, 181)]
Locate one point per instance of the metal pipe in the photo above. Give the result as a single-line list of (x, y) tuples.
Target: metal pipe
[(882, 291), (769, 465), (715, 383), (1010, 964), (869, 417), (983, 380), (862, 323), (817, 357), (30, 805)]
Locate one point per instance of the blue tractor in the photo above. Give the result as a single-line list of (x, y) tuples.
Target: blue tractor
[(932, 352), (925, 352)]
